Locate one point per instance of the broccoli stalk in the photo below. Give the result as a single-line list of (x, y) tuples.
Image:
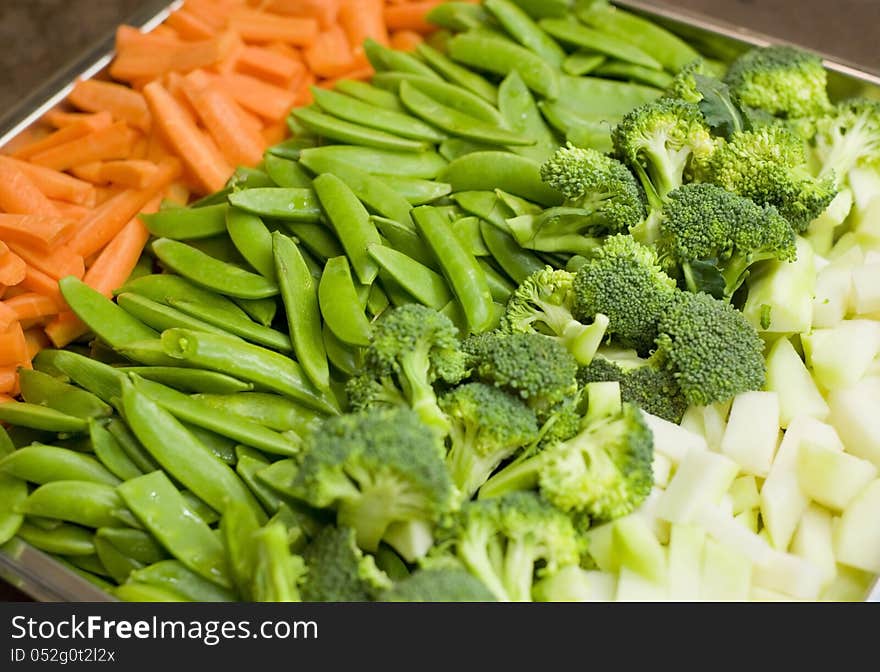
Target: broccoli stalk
[(848, 137)]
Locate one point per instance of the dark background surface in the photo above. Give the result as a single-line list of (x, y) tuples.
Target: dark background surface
[(41, 36)]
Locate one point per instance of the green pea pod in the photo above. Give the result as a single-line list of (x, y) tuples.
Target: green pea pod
[(597, 96), (383, 58), (630, 72), (455, 148), (253, 240), (220, 248), (194, 411), (459, 267), (249, 463), (277, 571), (235, 325), (83, 502), (262, 311), (187, 223), (317, 239), (416, 191), (352, 224), (580, 36), (110, 322), (136, 544), (339, 303), (162, 510), (217, 198), (41, 388), (199, 509), (428, 287), (484, 204), (270, 410), (563, 117), (499, 285), (514, 174), (131, 591), (290, 148), (159, 316), (406, 240), (39, 417), (190, 380), (452, 96), (286, 173), (148, 353), (43, 464), (501, 57), (582, 63), (299, 293), (374, 161), (540, 9), (346, 358), (210, 273), (175, 576), (165, 287), (372, 191), (246, 177), (525, 31), (369, 94), (237, 529), (130, 445), (524, 117), (467, 229), (110, 453), (118, 565), (456, 74), (458, 16), (455, 312), (377, 301), (6, 445), (220, 446), (89, 563), (516, 262), (263, 367), (280, 476), (340, 130), (181, 455), (64, 540), (13, 493), (396, 293), (293, 204), (97, 581)]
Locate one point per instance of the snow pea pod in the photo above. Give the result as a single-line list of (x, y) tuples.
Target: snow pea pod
[(377, 300), (159, 316), (6, 444), (132, 591), (484, 204), (383, 58), (339, 303), (369, 94), (286, 173), (501, 57), (347, 358), (118, 565), (190, 380), (211, 273), (39, 417), (246, 177), (523, 117), (270, 410), (516, 262), (453, 96), (175, 576), (82, 502), (110, 453), (468, 231), (131, 446), (235, 325), (249, 463), (164, 287), (237, 529), (90, 564), (220, 446), (582, 62), (147, 353), (340, 130), (539, 9), (63, 540), (136, 544), (525, 31), (163, 511), (262, 311), (515, 174), (253, 240), (416, 191), (42, 464), (581, 36), (187, 223), (597, 96), (268, 369), (428, 287), (299, 292), (98, 378), (456, 74), (291, 204), (41, 388), (458, 16), (380, 162), (630, 72), (276, 569), (457, 147), (499, 285), (290, 148), (13, 493), (317, 239)]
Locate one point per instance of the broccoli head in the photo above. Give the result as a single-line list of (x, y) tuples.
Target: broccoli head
[(338, 571), (713, 351), (417, 346), (543, 304), (439, 584), (365, 392), (375, 468), (488, 425), (848, 136), (623, 280), (784, 81)]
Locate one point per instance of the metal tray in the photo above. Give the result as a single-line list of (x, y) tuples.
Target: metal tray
[(39, 575)]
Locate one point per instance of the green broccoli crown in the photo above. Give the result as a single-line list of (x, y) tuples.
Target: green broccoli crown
[(366, 392), (338, 571), (375, 468), (712, 349), (848, 136), (769, 166), (564, 422), (533, 367), (684, 85), (439, 584), (659, 141), (623, 280), (782, 80), (604, 471)]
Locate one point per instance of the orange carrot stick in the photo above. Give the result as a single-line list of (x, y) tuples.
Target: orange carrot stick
[(362, 19), (268, 101), (32, 306), (269, 65), (13, 349), (40, 283), (405, 40), (124, 104), (19, 194), (65, 328), (7, 316), (113, 142), (12, 268), (54, 184), (410, 16), (139, 55), (58, 263), (65, 135), (60, 118), (330, 55), (189, 26), (131, 173), (38, 231), (89, 172), (259, 27), (324, 11), (35, 339), (8, 381)]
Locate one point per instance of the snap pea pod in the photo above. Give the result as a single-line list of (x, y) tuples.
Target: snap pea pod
[(581, 131), (501, 57), (98, 378), (13, 493), (516, 262), (118, 565), (280, 476), (270, 410), (39, 417), (43, 464), (210, 273), (83, 502), (523, 116), (416, 191), (136, 544), (374, 161), (63, 540), (249, 463), (592, 96), (107, 320), (346, 358), (246, 177), (190, 380), (237, 529), (369, 94), (131, 446), (262, 311), (291, 204), (317, 239), (383, 58), (452, 96), (377, 301), (110, 453), (457, 147), (147, 353), (220, 248), (339, 303), (97, 581), (372, 191), (525, 31), (165, 287), (540, 9), (162, 510), (423, 284), (220, 446), (235, 325), (397, 295), (456, 74), (187, 223), (630, 72), (263, 367), (194, 411), (582, 62), (41, 388), (290, 148), (173, 575), (199, 509), (563, 117), (334, 128), (467, 229), (286, 173), (581, 36), (406, 240), (277, 571), (6, 445), (89, 563), (455, 312), (352, 224), (459, 267), (499, 285), (253, 239), (159, 316), (132, 591), (514, 174), (485, 205), (459, 16)]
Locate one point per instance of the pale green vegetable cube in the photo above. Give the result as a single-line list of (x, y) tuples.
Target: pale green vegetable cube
[(788, 376), (685, 562), (634, 587), (637, 548), (830, 477), (726, 574), (857, 531), (745, 495), (752, 432), (841, 356), (786, 289), (854, 414), (866, 289), (671, 440), (789, 574), (813, 541), (701, 480)]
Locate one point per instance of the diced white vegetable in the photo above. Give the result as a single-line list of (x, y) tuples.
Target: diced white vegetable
[(671, 440), (833, 293), (866, 289), (850, 585), (744, 494), (634, 587), (748, 519), (685, 555), (789, 574), (752, 432), (715, 423), (788, 289), (857, 531), (839, 357), (854, 414), (662, 468), (701, 480), (636, 547), (759, 594), (573, 584), (648, 511), (724, 529), (600, 547), (830, 477), (813, 541), (726, 574), (692, 420), (867, 224), (788, 376), (864, 183)]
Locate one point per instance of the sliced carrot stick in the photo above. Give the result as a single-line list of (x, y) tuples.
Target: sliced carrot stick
[(40, 283), (189, 26), (13, 349), (304, 90), (363, 73), (269, 65), (71, 211), (58, 263), (67, 134), (274, 133), (410, 16), (113, 142), (177, 192), (38, 231), (131, 173), (213, 12), (54, 184), (324, 11), (140, 55), (13, 270), (8, 381), (32, 306), (124, 104), (65, 329), (362, 19), (330, 55), (19, 194), (7, 316), (406, 40), (35, 339), (89, 172), (60, 118), (254, 26), (185, 137), (268, 101)]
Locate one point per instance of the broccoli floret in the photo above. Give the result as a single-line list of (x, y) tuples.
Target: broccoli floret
[(623, 280), (440, 584), (375, 468), (543, 304), (712, 349), (605, 471), (417, 346), (338, 571), (782, 80), (711, 236), (769, 166), (487, 426), (365, 392), (536, 368), (509, 542), (847, 137), (684, 85)]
